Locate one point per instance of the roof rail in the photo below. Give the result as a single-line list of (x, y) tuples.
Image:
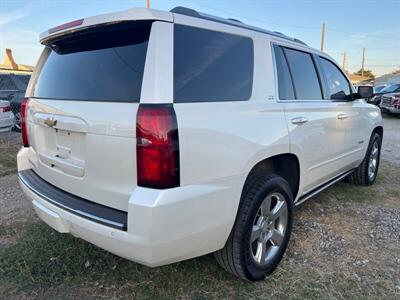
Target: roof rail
[(235, 20), (193, 13)]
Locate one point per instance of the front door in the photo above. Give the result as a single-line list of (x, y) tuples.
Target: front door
[(350, 114), (317, 135)]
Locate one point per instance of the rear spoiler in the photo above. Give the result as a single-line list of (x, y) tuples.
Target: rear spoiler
[(127, 15)]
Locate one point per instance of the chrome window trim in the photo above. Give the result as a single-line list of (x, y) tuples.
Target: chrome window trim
[(302, 49)]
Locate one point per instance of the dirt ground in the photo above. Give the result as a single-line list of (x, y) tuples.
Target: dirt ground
[(345, 244)]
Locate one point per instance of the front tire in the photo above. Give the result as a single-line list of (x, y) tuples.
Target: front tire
[(262, 229), (367, 172)]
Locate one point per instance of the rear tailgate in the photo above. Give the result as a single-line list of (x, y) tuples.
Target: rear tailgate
[(82, 111)]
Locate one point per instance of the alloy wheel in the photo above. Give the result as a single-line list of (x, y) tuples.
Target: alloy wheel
[(269, 228), (373, 161)]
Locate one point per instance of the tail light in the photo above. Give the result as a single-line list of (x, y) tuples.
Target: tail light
[(157, 146), (24, 130), (6, 109)]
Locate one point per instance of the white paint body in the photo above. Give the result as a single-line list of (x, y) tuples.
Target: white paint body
[(220, 142)]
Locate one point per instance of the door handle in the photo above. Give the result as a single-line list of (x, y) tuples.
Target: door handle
[(342, 116), (299, 120)]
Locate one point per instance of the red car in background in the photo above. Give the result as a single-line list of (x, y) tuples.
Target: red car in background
[(391, 103)]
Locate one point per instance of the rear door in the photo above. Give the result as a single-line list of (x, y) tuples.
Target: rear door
[(315, 134), (82, 111)]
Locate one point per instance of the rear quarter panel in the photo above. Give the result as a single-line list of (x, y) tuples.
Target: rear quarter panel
[(221, 142)]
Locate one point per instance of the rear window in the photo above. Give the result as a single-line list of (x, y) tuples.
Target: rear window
[(305, 78), (211, 66), (101, 64)]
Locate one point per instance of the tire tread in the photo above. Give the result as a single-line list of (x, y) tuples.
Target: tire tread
[(360, 175), (229, 257)]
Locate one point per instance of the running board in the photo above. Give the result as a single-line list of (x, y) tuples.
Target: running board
[(319, 189)]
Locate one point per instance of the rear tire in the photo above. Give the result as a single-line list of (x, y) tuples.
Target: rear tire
[(367, 172), (261, 231)]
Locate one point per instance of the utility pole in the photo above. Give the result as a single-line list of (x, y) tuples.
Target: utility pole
[(363, 62), (148, 3), (323, 37), (344, 61)]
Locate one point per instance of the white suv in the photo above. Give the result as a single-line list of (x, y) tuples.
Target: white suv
[(162, 136)]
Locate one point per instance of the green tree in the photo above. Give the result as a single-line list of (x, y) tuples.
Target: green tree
[(367, 73)]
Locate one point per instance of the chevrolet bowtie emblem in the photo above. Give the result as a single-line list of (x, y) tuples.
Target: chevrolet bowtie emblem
[(51, 122)]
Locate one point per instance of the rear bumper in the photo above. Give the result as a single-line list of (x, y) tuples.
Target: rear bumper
[(163, 226), (84, 208)]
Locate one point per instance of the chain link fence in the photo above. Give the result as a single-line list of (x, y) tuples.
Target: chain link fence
[(12, 91)]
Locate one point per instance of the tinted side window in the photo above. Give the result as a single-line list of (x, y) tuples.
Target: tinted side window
[(285, 84), (337, 84), (305, 76), (211, 65)]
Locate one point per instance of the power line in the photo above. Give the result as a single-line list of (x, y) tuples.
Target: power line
[(323, 33), (255, 19), (384, 60), (384, 48), (281, 24), (383, 66)]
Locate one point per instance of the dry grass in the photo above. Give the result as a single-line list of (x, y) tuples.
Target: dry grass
[(9, 146), (345, 244)]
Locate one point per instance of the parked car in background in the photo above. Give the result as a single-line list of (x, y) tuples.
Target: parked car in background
[(6, 116), (15, 98), (162, 136), (378, 88), (391, 103), (12, 89), (15, 103), (393, 88)]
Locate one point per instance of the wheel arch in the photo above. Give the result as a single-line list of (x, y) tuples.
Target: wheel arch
[(379, 131), (286, 165)]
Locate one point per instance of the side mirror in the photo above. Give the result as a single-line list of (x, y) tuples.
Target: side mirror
[(365, 92)]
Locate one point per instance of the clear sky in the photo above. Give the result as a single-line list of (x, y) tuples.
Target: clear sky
[(351, 24)]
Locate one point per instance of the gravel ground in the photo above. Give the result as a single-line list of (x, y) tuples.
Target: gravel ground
[(13, 205), (391, 140)]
